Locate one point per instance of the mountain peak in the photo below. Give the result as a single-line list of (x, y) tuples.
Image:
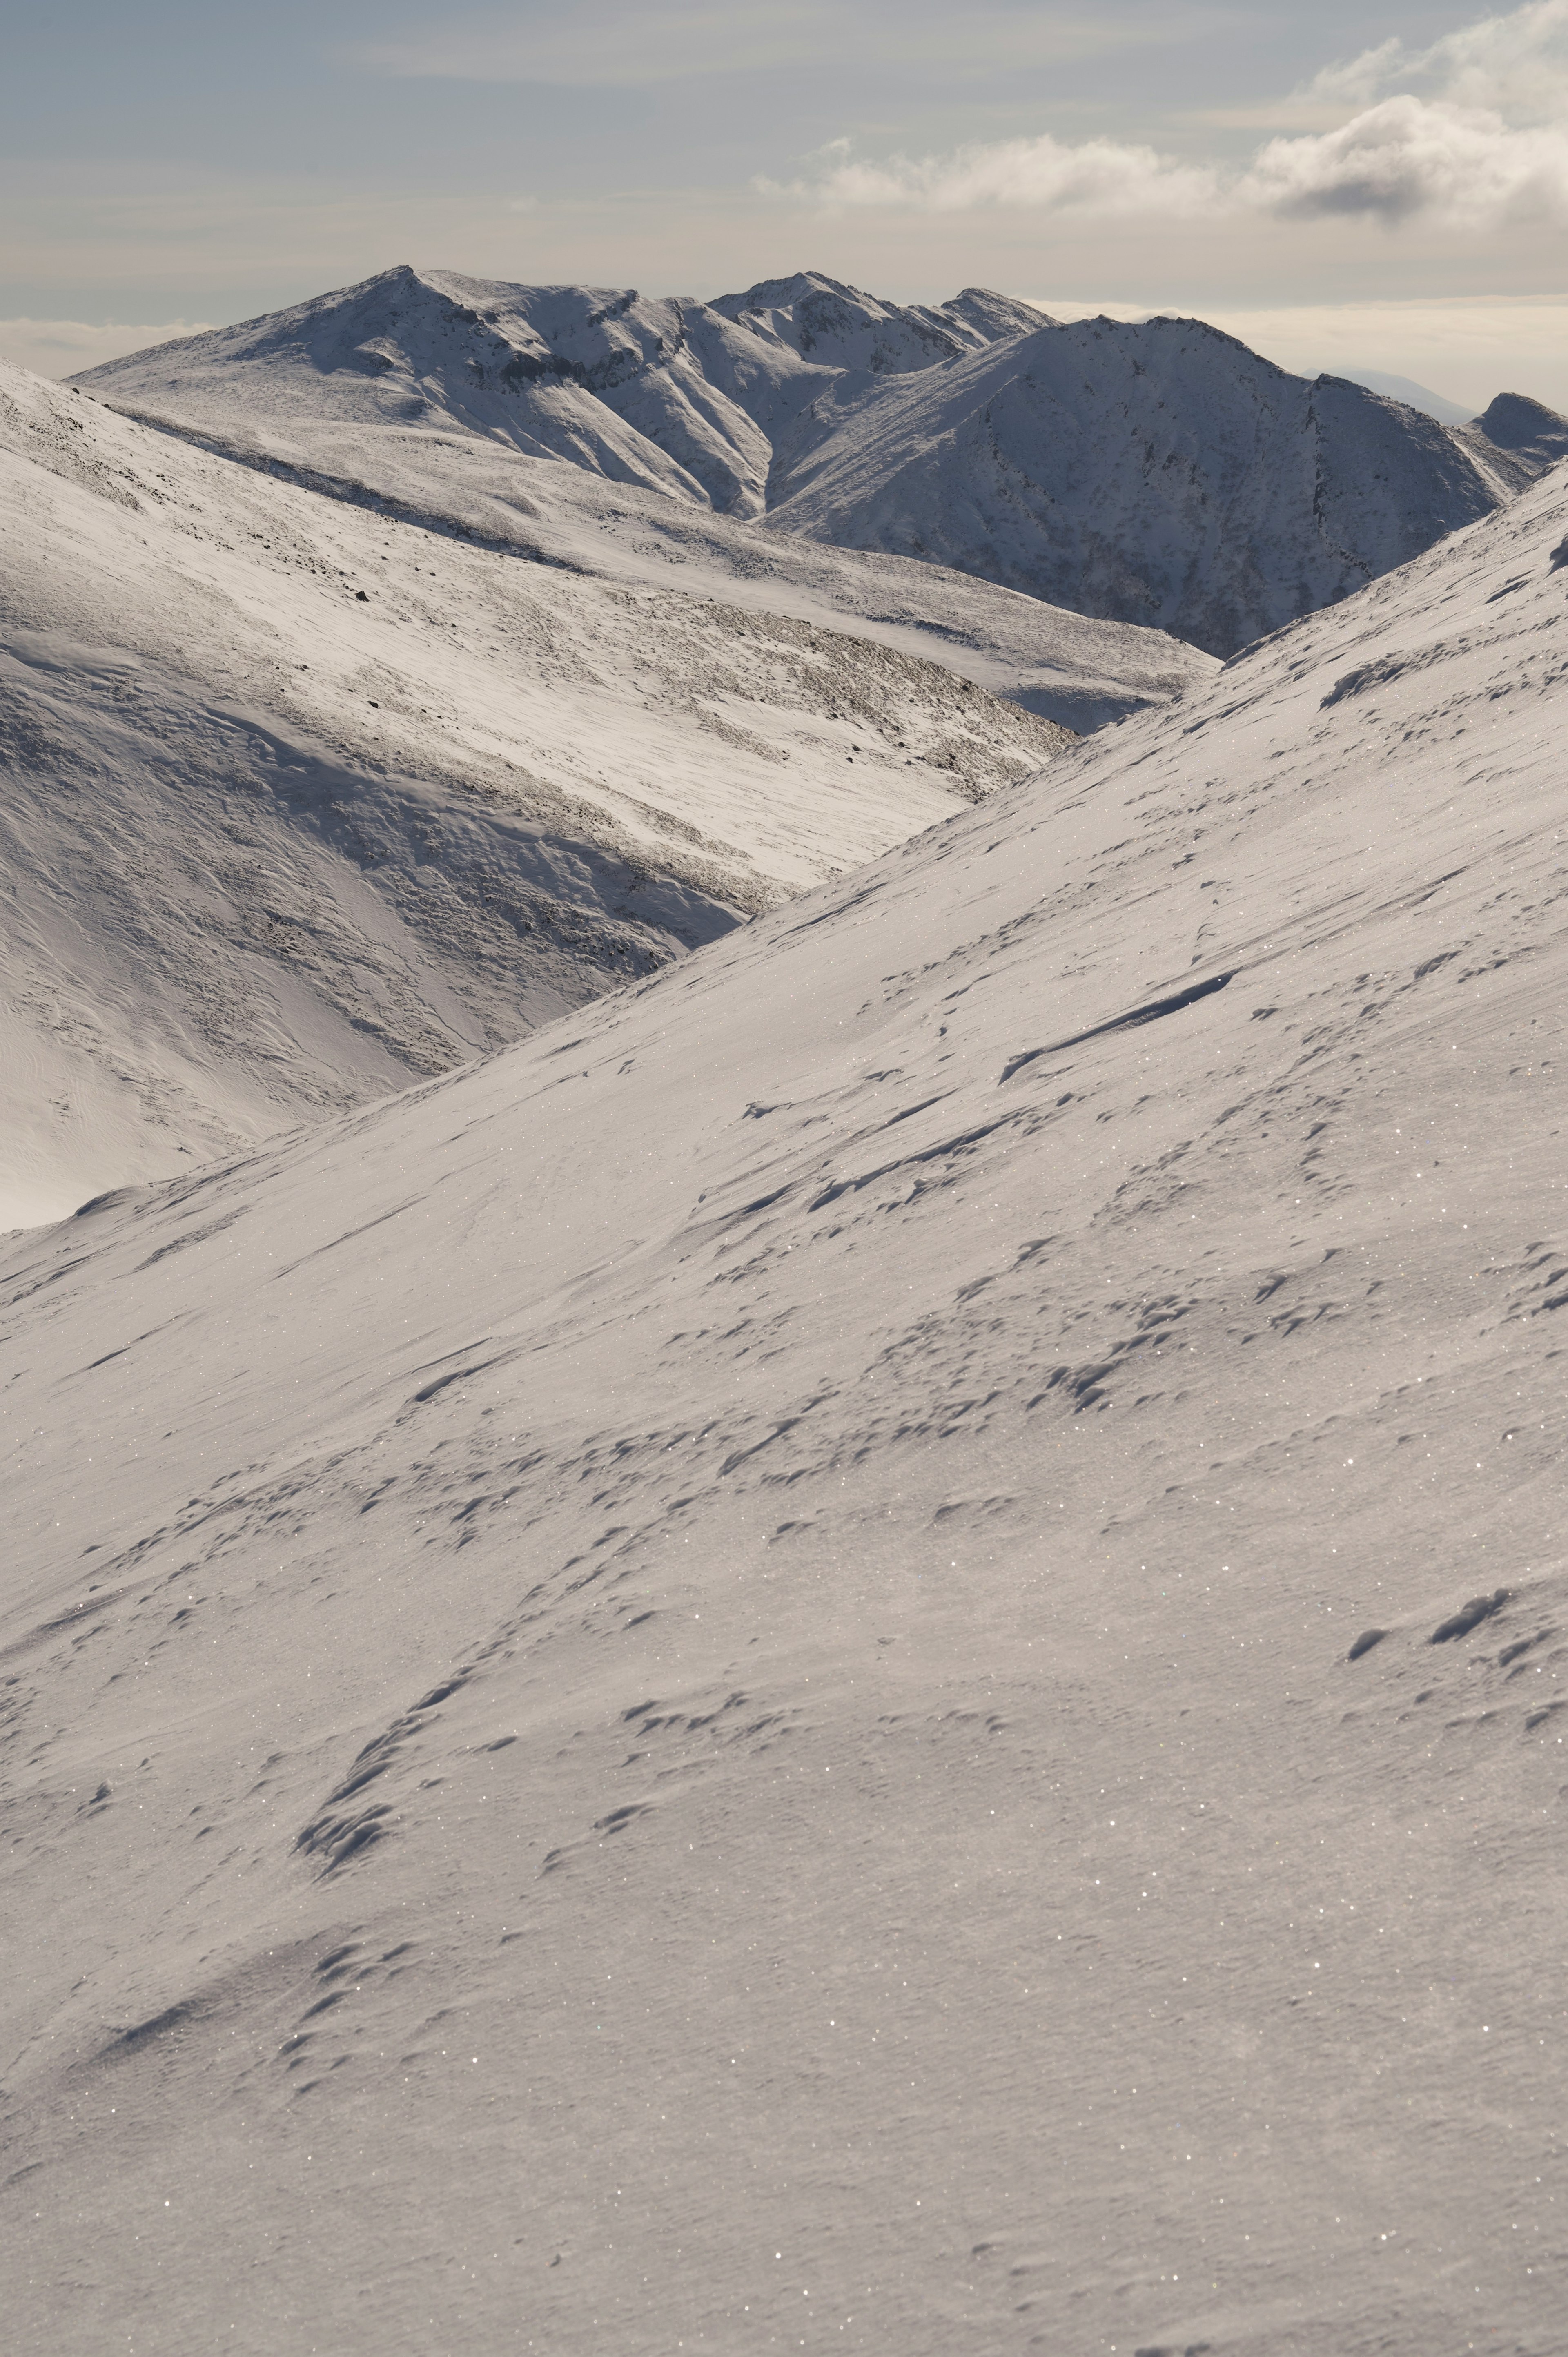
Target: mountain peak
[(1518, 438), (1512, 421)]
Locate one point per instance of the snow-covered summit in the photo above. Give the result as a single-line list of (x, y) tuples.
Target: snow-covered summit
[(602, 378), (1158, 472), (841, 327), (665, 393), (1518, 438)]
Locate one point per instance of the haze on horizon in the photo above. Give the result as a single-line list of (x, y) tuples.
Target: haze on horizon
[(1381, 188)]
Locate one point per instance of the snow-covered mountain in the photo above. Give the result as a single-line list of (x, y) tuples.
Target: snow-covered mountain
[(668, 394), (1159, 474), (301, 799), (870, 1647), (1517, 440), (1067, 667), (840, 328), (605, 379)]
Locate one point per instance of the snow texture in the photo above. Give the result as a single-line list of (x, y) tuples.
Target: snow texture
[(1517, 440), (694, 1687)]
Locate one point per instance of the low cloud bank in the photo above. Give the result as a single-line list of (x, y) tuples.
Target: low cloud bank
[(1403, 158), (59, 348)]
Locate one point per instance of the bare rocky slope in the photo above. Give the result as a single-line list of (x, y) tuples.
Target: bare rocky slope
[(868, 1649), (1159, 474)]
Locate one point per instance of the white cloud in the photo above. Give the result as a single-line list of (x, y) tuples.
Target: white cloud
[(1359, 82), (1410, 157), (59, 348), (1099, 176), (1516, 66), (1484, 143), (1403, 158)]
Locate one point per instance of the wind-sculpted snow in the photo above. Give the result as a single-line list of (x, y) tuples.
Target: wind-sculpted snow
[(1159, 474), (1080, 672), (303, 798), (869, 1648)]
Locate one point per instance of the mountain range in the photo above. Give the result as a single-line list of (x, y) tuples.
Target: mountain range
[(1157, 473)]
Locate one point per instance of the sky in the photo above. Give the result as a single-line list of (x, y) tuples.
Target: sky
[(1376, 185)]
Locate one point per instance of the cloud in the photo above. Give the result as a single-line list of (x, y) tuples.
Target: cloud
[(1483, 142), (1098, 175), (1404, 158), (60, 347), (1409, 157), (1515, 66), (1358, 82)]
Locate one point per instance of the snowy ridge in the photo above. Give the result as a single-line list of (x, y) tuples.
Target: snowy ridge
[(869, 1648), (301, 801), (840, 327), (669, 394), (1079, 671)]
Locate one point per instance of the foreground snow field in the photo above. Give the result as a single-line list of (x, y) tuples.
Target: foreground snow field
[(693, 1688), (300, 800)]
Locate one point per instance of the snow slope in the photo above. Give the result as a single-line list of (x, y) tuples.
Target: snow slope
[(300, 800), (694, 1688), (1067, 667), (1159, 474)]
